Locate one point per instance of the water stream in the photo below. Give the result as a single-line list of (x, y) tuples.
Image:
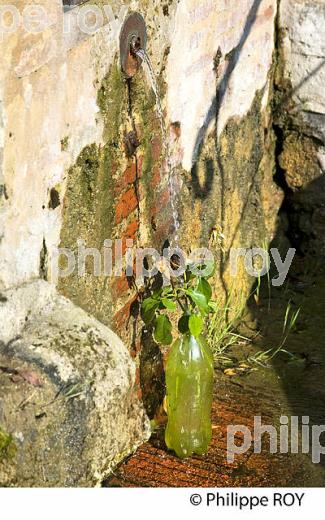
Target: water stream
[(170, 169)]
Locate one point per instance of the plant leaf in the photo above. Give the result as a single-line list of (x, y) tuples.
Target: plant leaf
[(205, 288), (163, 330), (168, 304), (183, 324), (189, 275), (199, 299), (203, 270), (148, 310), (195, 324), (167, 291)]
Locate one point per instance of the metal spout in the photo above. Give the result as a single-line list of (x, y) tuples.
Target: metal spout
[(133, 37)]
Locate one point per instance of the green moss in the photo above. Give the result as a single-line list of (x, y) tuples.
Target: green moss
[(7, 446), (89, 211), (110, 99), (241, 150), (89, 205), (230, 185), (88, 164)]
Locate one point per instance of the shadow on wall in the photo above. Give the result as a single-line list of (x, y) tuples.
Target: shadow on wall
[(202, 188), (301, 375), (213, 112), (301, 225)]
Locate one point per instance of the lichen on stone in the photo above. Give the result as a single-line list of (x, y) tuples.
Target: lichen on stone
[(7, 446)]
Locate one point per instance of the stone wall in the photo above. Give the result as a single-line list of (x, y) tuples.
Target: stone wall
[(48, 92), (67, 170), (215, 89), (51, 87), (300, 117)]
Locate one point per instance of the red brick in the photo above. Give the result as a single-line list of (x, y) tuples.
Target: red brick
[(132, 229), (128, 177), (156, 177), (156, 148), (130, 173), (127, 203), (129, 234)]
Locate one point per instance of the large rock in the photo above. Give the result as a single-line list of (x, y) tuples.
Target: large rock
[(68, 410)]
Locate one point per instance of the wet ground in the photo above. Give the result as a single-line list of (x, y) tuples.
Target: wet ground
[(291, 386)]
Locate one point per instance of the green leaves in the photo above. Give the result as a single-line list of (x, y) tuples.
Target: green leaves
[(162, 325), (201, 296), (168, 304), (192, 324), (205, 288), (199, 299), (183, 324), (163, 330), (148, 309), (195, 324), (202, 270), (192, 295)]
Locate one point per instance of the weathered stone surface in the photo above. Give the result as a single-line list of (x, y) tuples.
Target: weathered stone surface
[(299, 160), (50, 82), (300, 115), (230, 39), (66, 393), (303, 54)]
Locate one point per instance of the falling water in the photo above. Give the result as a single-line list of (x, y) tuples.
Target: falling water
[(171, 178)]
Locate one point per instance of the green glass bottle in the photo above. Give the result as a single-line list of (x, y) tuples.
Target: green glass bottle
[(189, 381)]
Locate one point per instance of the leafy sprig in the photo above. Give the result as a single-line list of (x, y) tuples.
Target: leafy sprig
[(191, 295)]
